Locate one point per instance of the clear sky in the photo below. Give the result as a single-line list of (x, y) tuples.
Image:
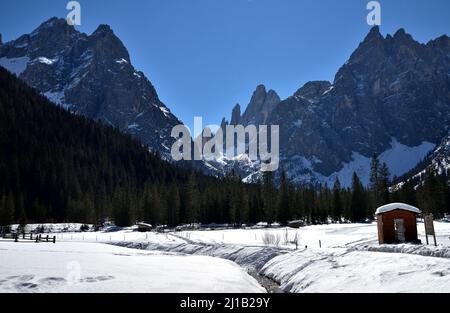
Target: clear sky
[(204, 56)]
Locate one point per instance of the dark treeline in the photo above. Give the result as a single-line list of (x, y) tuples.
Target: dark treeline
[(59, 167)]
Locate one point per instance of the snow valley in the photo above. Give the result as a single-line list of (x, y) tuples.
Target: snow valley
[(348, 259)]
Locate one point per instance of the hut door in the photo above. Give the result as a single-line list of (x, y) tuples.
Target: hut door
[(399, 230)]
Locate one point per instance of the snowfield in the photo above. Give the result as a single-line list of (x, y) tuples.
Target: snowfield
[(90, 267), (330, 258), (338, 270)]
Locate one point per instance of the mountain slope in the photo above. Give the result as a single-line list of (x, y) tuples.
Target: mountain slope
[(56, 166), (91, 75), (392, 98), (437, 163)]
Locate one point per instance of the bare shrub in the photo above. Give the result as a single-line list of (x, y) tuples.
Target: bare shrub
[(271, 239)]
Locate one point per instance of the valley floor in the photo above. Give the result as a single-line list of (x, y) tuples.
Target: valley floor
[(329, 258), (100, 268)]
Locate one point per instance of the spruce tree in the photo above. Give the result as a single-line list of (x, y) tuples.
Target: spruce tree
[(173, 204), (385, 182), (358, 204), (374, 184), (192, 200), (284, 200), (269, 199), (338, 208)]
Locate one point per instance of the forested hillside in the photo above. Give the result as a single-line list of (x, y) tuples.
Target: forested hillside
[(59, 167)]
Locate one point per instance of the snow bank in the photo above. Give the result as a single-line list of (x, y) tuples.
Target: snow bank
[(338, 270), (432, 251), (251, 258), (90, 267)]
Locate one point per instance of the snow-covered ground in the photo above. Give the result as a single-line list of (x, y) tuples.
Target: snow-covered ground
[(338, 270), (91, 267), (330, 236), (330, 258)]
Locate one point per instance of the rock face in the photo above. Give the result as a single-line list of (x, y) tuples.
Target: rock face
[(258, 110), (91, 75), (392, 91)]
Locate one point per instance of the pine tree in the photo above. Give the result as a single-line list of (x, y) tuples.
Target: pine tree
[(6, 211), (269, 197), (284, 200), (192, 200), (374, 186), (23, 221), (358, 204), (173, 204), (432, 195), (384, 183), (338, 208)]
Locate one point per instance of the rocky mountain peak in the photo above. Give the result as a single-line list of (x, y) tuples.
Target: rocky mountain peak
[(390, 99), (261, 105), (400, 33), (374, 34), (54, 25), (314, 89), (107, 45), (223, 123), (236, 115), (91, 75), (401, 37), (103, 29), (442, 42), (260, 89)]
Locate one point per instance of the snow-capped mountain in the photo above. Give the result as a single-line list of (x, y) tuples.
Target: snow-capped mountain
[(437, 162), (391, 98), (91, 75)]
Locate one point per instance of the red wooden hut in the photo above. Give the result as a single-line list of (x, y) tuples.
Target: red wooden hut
[(397, 223)]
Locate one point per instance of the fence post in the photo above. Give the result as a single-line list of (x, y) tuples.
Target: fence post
[(320, 244), (47, 238), (16, 239), (54, 239)]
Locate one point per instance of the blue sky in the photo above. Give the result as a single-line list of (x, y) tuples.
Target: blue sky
[(204, 56)]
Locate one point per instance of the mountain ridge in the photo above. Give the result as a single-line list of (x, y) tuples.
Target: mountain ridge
[(91, 75), (392, 93)]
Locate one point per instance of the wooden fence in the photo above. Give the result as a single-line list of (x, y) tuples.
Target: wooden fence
[(28, 237)]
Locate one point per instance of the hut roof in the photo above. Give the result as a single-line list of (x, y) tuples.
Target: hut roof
[(397, 206)]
